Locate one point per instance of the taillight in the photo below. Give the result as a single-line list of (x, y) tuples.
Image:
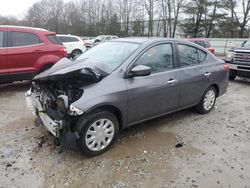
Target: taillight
[(226, 67), (63, 50)]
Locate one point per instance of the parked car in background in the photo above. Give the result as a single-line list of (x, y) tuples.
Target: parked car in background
[(88, 41), (202, 42), (26, 51), (104, 38), (74, 45), (238, 60), (121, 83)]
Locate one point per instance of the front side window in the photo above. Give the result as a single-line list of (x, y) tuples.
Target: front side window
[(159, 58), (23, 39), (190, 55), (1, 39)]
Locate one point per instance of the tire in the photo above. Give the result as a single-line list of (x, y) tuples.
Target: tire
[(75, 53), (96, 122), (207, 101), (232, 74)]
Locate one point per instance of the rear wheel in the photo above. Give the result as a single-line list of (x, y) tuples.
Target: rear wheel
[(232, 74), (75, 53), (97, 132), (207, 101)]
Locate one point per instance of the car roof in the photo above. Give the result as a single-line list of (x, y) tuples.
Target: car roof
[(142, 40), (197, 39), (24, 28), (63, 35)]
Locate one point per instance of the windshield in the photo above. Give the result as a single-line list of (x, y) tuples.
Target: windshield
[(112, 54), (246, 44), (100, 37)]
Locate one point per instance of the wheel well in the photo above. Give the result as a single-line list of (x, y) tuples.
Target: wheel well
[(76, 49), (45, 67), (112, 109), (216, 88)]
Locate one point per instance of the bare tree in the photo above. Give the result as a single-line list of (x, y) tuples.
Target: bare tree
[(243, 20), (149, 6)]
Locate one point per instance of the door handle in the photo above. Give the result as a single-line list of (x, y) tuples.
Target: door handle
[(171, 81), (207, 74)]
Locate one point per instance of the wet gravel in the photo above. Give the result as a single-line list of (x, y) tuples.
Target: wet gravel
[(183, 149)]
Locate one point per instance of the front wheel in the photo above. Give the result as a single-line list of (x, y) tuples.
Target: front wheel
[(97, 132), (232, 74), (207, 101)]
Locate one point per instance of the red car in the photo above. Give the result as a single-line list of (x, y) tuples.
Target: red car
[(26, 51), (202, 42)]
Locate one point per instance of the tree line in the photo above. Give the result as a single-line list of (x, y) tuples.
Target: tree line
[(167, 18)]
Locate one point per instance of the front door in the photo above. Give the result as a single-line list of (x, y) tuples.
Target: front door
[(3, 58), (156, 94)]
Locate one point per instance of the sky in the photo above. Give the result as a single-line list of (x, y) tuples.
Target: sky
[(16, 8)]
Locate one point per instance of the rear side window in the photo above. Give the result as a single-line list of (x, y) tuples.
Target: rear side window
[(1, 39), (190, 55), (54, 39), (68, 39), (23, 39)]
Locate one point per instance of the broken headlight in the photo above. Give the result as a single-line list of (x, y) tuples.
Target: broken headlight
[(75, 111)]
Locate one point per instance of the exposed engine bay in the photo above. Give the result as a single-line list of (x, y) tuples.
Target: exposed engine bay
[(53, 91)]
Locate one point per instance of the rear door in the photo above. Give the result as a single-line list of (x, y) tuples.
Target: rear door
[(3, 55), (157, 93), (195, 74), (23, 52)]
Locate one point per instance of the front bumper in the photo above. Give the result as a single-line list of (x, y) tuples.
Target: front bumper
[(239, 67), (54, 126)]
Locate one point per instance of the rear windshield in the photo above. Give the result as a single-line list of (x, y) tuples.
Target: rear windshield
[(54, 39), (68, 39)]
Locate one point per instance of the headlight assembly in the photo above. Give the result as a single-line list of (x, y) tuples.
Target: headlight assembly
[(75, 111)]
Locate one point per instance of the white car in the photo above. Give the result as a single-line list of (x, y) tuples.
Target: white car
[(74, 45)]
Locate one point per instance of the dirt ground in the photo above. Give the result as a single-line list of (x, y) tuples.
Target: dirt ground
[(183, 149)]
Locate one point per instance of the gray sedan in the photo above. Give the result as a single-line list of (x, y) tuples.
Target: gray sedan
[(85, 103)]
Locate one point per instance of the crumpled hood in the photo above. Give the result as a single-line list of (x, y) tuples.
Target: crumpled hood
[(66, 68)]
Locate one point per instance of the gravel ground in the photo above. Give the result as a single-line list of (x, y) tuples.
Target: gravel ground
[(183, 149)]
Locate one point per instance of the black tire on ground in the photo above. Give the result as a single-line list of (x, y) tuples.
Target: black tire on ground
[(232, 74), (200, 108), (75, 53), (84, 124)]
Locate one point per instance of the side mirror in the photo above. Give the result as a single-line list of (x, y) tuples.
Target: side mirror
[(140, 70)]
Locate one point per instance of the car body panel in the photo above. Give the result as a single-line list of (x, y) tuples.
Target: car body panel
[(156, 88), (23, 62), (142, 98), (71, 46)]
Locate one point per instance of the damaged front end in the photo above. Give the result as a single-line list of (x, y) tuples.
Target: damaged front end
[(53, 92)]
